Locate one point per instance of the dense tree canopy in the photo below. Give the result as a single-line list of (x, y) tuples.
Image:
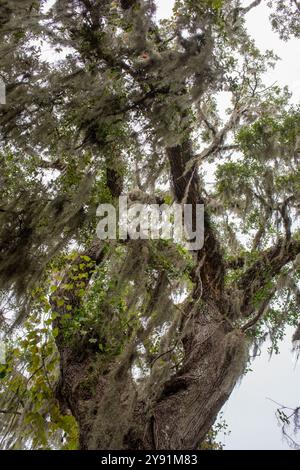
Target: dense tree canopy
[(138, 344)]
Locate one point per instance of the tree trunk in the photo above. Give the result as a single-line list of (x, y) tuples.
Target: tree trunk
[(111, 413), (215, 359)]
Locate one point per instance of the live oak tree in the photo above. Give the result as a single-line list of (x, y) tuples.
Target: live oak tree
[(137, 344)]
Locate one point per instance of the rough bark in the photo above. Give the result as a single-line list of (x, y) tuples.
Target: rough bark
[(188, 406), (110, 414), (107, 404)]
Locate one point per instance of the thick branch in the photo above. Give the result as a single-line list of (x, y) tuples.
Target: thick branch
[(265, 269)]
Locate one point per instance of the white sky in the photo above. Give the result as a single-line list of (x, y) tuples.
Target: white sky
[(248, 413)]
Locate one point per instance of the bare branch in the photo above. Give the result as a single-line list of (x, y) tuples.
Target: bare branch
[(208, 124), (217, 143), (261, 311), (251, 6)]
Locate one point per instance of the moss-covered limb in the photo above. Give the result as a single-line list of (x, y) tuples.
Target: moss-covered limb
[(189, 402), (171, 412), (34, 228), (186, 186), (264, 269)]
